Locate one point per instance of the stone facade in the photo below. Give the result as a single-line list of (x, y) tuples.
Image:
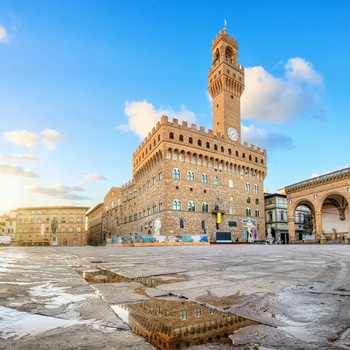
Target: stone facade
[(94, 221), (34, 225), (187, 180)]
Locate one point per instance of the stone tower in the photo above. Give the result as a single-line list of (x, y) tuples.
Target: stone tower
[(226, 85)]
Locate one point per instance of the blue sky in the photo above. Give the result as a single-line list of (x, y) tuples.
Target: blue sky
[(82, 83)]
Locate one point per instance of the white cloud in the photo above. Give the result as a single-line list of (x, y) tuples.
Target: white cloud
[(274, 99), (143, 117), (14, 170), (94, 177), (3, 35), (50, 137), (265, 140), (22, 157), (22, 137), (59, 191)]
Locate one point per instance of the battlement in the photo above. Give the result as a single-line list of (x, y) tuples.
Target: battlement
[(201, 132), (128, 184), (217, 62), (223, 35)]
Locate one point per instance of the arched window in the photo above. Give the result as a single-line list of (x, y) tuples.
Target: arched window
[(207, 144), (216, 180), (176, 173), (63, 229), (78, 229), (257, 213), (79, 220), (248, 212), (181, 138), (190, 140), (63, 220), (71, 220), (190, 176), (176, 204), (160, 175), (160, 206), (215, 147), (199, 142), (171, 136), (205, 207), (70, 229), (256, 188), (191, 206), (204, 178), (222, 149), (230, 183), (257, 201), (247, 186), (248, 199)]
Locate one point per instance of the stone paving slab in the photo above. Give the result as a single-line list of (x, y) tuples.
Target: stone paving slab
[(300, 293)]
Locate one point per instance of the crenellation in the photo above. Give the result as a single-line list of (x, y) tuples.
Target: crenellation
[(184, 124)]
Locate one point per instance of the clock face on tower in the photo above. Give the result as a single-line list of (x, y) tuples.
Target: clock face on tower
[(232, 133)]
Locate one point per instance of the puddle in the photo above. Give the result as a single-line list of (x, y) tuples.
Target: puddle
[(106, 276), (299, 330), (177, 324), (15, 324)]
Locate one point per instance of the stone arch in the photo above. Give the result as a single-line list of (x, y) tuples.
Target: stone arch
[(335, 215)]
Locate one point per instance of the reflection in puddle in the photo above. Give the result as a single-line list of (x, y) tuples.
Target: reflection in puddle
[(173, 324), (107, 276), (15, 324), (299, 330)]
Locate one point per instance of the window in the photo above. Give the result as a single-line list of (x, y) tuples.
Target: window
[(230, 183), (232, 211), (38, 221), (204, 178), (153, 182), (154, 209), (270, 216), (171, 136), (205, 207), (197, 312), (191, 206), (216, 180), (176, 204), (160, 206), (70, 229), (190, 140), (63, 220), (257, 201), (207, 145), (247, 186), (257, 213), (190, 176), (282, 215), (199, 142), (63, 229), (256, 188), (160, 175), (176, 173), (248, 212), (215, 147), (248, 199), (181, 223), (181, 138), (79, 220), (183, 315), (71, 220)]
